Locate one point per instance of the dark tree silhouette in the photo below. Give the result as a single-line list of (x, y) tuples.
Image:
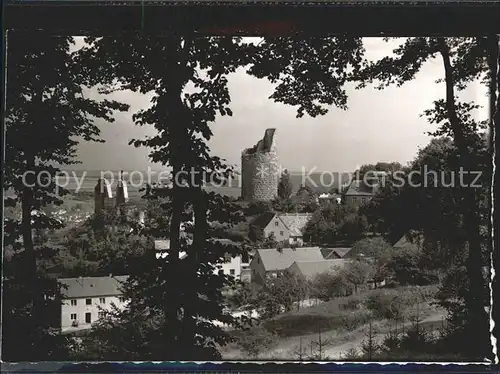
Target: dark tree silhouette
[(285, 186), (166, 66), (464, 60), (47, 113)]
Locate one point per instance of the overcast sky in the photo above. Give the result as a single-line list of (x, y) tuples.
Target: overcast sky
[(378, 126)]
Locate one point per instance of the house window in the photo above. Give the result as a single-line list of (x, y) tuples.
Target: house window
[(276, 223), (227, 258), (102, 300), (281, 233), (73, 316), (121, 299), (88, 318), (88, 301), (73, 302), (101, 314), (231, 271)]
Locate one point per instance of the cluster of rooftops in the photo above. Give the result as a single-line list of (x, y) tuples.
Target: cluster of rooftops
[(309, 261)]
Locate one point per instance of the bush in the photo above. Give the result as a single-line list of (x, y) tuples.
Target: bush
[(256, 341), (352, 304), (352, 354), (407, 269), (385, 306), (309, 323), (327, 285), (392, 304), (259, 207)]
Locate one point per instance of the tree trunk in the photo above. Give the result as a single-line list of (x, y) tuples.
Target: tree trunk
[(478, 320), (193, 261), (179, 147), (27, 201)]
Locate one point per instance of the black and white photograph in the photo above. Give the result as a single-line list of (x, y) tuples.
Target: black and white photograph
[(223, 198)]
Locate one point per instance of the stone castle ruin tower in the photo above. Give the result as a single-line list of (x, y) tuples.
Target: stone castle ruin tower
[(259, 170)]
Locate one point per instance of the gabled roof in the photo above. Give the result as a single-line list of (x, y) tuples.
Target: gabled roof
[(295, 222), (342, 252), (359, 188), (274, 260), (408, 240), (332, 253), (263, 220), (310, 269), (92, 286)]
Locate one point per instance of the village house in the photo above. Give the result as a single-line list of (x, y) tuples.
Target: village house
[(271, 262), (284, 227), (325, 199), (410, 241), (232, 265), (308, 270), (359, 193), (84, 300)]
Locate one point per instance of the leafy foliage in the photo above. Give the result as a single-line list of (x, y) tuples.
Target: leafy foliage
[(280, 293), (309, 73), (47, 114), (328, 285), (333, 222), (464, 60), (188, 80), (256, 342), (285, 186), (379, 251), (358, 272)]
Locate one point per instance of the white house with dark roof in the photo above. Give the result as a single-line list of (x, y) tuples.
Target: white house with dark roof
[(287, 227), (271, 262), (85, 298)]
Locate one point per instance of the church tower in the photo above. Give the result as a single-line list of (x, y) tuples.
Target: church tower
[(103, 196), (121, 191)]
